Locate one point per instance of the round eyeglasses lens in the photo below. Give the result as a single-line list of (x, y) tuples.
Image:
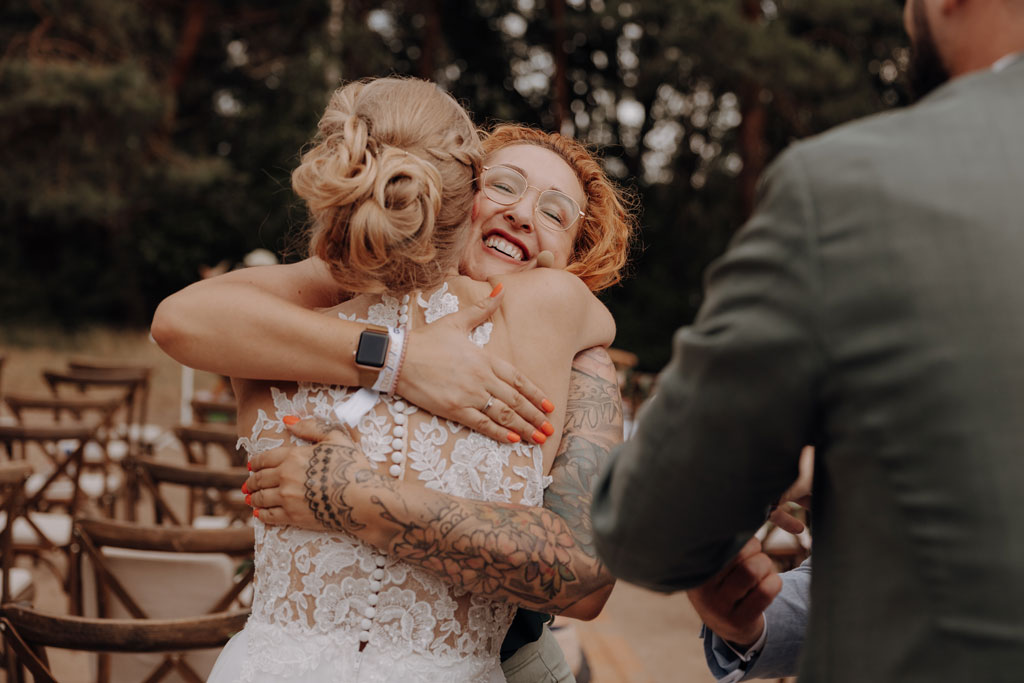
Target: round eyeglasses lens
[(503, 185), (557, 210)]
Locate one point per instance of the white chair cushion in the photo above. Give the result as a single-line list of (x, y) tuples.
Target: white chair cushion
[(54, 525), (21, 582)]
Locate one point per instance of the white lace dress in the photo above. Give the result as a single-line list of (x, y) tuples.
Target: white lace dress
[(320, 595)]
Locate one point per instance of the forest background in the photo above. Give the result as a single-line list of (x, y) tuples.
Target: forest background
[(141, 140)]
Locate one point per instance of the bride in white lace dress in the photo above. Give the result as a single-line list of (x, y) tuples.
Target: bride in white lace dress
[(389, 184)]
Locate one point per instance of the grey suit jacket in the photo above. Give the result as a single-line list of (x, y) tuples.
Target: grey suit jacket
[(873, 306)]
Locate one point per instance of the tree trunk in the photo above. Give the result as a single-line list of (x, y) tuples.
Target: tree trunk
[(431, 39), (561, 102), (752, 128), (196, 12)]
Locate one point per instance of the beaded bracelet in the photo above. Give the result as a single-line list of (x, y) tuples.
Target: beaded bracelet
[(398, 366)]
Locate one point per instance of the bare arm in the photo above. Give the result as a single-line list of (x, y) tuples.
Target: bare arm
[(540, 558), (259, 323)]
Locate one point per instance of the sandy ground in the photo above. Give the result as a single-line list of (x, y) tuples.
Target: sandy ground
[(639, 637)]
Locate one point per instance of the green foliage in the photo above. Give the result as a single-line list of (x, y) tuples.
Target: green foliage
[(144, 140)]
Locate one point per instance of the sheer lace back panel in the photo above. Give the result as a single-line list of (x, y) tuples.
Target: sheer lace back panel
[(320, 595)]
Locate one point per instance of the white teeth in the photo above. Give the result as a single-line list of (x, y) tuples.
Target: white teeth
[(504, 246)]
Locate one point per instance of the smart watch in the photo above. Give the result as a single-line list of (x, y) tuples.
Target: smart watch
[(371, 354)]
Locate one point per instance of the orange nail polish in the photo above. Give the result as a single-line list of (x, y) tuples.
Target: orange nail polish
[(248, 500), (256, 514), (497, 290), (289, 420), (547, 428), (538, 437), (547, 406), (249, 465), (513, 437), (245, 487)]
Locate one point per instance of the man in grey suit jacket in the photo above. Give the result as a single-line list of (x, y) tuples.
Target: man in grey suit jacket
[(872, 306)]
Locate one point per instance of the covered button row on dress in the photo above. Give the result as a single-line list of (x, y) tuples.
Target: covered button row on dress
[(398, 439), (376, 579)]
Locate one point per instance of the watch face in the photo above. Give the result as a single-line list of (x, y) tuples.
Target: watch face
[(373, 349)]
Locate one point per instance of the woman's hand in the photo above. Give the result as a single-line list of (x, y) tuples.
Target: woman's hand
[(448, 375), (277, 486)]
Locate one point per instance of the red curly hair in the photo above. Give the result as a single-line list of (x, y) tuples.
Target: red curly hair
[(602, 244)]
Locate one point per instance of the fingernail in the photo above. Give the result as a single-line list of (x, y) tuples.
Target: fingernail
[(513, 437), (547, 428), (547, 406), (245, 487), (538, 437), (497, 290), (249, 465), (256, 514), (248, 500), (289, 420)]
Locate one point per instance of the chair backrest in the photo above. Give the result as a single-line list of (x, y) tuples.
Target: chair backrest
[(147, 572), (210, 490), (204, 443), (62, 450), (13, 476), (28, 632), (129, 382), (93, 535), (104, 477)]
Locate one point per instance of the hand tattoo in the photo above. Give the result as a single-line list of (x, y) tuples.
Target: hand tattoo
[(325, 488)]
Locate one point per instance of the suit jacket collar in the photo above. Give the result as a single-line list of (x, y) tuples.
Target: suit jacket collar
[(1012, 71)]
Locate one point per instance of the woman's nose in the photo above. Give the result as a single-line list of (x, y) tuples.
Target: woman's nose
[(520, 216)]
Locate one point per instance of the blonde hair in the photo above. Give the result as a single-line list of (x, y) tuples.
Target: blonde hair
[(602, 243), (389, 184)]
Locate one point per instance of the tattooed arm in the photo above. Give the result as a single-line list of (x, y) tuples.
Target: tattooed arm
[(540, 558)]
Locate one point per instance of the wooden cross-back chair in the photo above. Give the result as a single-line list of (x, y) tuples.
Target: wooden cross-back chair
[(207, 444), (120, 371), (42, 525), (17, 582), (211, 491), (147, 572), (102, 476), (131, 383), (29, 632)]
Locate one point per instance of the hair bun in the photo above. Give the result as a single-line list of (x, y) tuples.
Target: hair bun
[(387, 184)]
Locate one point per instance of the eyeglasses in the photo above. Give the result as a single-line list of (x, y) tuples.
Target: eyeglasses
[(554, 210)]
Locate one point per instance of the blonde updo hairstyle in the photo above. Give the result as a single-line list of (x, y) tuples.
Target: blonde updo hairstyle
[(603, 240), (389, 184)]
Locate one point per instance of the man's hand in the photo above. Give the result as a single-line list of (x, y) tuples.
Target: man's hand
[(448, 375), (732, 603), (277, 486)]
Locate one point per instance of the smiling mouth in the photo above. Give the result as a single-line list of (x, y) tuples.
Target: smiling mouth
[(503, 246)]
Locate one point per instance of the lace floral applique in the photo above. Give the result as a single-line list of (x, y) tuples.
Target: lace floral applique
[(318, 594), (386, 312), (255, 443), (481, 334), (441, 303)]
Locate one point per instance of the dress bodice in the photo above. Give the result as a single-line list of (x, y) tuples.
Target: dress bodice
[(327, 602)]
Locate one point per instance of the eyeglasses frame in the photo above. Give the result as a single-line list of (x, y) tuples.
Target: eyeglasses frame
[(540, 192)]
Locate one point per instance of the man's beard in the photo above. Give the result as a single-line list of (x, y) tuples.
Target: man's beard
[(927, 71)]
